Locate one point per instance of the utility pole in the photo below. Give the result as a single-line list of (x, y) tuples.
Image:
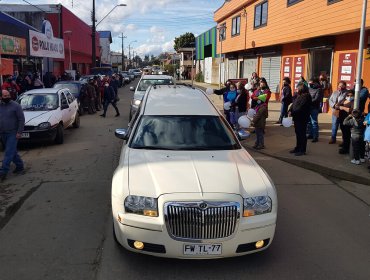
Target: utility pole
[(360, 56), (123, 53), (93, 35)]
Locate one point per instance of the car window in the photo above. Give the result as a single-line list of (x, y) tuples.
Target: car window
[(63, 99), (146, 83), (183, 133), (70, 97), (38, 102)]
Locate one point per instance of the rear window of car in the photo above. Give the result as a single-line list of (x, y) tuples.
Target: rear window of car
[(183, 133), (146, 83)]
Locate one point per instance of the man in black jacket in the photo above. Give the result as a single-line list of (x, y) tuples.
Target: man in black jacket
[(109, 98), (317, 96), (300, 111)]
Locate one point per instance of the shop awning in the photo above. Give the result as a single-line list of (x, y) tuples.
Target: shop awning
[(7, 19)]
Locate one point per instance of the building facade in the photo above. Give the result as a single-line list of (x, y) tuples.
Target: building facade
[(105, 41), (292, 38), (67, 26), (207, 60)]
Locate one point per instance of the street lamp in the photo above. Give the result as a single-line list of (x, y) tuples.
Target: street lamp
[(221, 33), (93, 29), (69, 34)]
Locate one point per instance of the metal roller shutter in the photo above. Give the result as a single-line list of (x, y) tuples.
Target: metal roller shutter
[(233, 69), (271, 66), (250, 66)]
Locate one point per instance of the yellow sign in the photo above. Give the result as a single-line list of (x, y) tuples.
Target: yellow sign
[(12, 45)]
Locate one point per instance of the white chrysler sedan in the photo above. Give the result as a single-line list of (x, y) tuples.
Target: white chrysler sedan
[(184, 186), (47, 113)]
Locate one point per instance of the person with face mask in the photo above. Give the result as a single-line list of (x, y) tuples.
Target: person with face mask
[(317, 96), (345, 108), (109, 98), (336, 97), (11, 128)]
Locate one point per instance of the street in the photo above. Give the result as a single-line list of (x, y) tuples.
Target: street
[(61, 228)]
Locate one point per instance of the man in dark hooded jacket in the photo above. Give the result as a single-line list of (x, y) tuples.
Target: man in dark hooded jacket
[(317, 96)]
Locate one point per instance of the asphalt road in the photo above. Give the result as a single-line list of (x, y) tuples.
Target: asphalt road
[(62, 227)]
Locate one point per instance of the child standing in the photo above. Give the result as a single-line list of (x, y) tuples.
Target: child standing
[(356, 122), (259, 121)]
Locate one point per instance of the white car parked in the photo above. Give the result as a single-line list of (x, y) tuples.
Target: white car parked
[(47, 113), (184, 186)]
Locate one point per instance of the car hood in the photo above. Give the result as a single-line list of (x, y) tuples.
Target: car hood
[(34, 118), (153, 173)]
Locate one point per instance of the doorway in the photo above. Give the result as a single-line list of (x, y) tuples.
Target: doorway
[(321, 62)]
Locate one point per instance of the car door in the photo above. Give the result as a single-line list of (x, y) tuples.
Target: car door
[(66, 110), (73, 105)]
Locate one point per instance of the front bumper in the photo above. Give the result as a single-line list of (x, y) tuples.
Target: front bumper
[(40, 135), (158, 242)]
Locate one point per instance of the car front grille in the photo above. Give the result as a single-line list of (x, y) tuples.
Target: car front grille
[(201, 220), (28, 128)]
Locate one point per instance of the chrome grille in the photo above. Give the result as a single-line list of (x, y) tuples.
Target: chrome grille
[(190, 221)]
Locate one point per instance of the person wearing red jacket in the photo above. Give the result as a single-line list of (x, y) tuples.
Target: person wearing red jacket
[(11, 86)]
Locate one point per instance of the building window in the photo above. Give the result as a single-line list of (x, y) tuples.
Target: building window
[(222, 32), (333, 1), (235, 30), (292, 2), (260, 14)]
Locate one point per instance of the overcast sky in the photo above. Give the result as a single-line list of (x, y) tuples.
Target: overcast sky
[(152, 23)]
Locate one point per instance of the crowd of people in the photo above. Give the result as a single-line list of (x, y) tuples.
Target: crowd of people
[(303, 104)]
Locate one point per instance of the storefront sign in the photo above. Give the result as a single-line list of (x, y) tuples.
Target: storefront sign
[(12, 45), (44, 44), (287, 67), (347, 68), (299, 69)]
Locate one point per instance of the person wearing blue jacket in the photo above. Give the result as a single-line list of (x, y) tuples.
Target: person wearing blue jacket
[(230, 96), (109, 98)]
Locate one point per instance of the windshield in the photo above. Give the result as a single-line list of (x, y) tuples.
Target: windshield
[(39, 102), (144, 84), (73, 88), (183, 133)]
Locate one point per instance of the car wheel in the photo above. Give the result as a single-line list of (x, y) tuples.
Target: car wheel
[(59, 138), (76, 123)]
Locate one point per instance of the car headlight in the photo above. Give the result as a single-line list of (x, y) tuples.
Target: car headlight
[(257, 205), (136, 102), (141, 205), (44, 125)]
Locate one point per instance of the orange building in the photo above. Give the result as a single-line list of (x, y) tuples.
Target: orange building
[(278, 38)]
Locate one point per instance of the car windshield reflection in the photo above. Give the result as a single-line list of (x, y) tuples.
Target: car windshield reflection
[(183, 133), (38, 102)]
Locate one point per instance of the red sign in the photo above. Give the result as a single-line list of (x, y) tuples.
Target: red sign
[(299, 69), (347, 68), (287, 67)]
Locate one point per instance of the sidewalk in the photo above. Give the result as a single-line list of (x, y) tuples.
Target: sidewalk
[(321, 157)]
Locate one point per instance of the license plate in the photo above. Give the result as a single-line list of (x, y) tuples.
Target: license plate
[(25, 135), (202, 249)]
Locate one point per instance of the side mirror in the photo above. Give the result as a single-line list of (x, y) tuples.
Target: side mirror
[(132, 88), (121, 133), (64, 106), (242, 134)]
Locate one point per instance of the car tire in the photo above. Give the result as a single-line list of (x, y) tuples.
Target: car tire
[(76, 123), (59, 138)]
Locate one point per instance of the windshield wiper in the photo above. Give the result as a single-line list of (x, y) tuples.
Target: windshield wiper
[(152, 148)]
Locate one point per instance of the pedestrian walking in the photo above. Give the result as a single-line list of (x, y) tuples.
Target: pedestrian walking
[(259, 121), (90, 97), (335, 98), (345, 108), (109, 98), (356, 123), (11, 128), (317, 96), (300, 111), (286, 98)]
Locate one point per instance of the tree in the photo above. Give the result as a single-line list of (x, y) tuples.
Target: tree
[(184, 40), (146, 58)]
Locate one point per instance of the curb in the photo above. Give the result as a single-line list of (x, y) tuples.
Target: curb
[(323, 170)]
